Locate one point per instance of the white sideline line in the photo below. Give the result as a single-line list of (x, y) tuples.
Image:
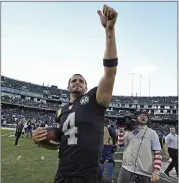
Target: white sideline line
[(7, 134), (4, 128)]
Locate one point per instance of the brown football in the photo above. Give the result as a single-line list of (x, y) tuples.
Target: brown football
[(53, 137)]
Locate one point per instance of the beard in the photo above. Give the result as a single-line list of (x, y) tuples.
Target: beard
[(76, 91), (142, 122)]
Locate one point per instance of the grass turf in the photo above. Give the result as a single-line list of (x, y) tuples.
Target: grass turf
[(4, 132), (30, 168)]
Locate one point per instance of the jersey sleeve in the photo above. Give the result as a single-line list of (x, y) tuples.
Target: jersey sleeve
[(92, 96), (155, 142)]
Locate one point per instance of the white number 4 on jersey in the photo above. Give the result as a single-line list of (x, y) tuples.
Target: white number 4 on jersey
[(70, 121)]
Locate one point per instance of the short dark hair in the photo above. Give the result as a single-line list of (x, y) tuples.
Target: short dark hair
[(142, 112), (172, 126), (77, 75)]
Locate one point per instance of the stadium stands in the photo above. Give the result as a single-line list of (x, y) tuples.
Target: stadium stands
[(39, 103)]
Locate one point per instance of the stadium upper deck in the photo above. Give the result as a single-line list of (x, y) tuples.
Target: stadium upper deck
[(53, 92)]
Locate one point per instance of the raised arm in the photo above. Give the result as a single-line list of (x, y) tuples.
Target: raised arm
[(105, 88)]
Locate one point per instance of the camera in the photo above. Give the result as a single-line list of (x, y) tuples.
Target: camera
[(128, 122)]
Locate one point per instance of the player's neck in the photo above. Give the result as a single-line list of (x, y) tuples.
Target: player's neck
[(73, 97)]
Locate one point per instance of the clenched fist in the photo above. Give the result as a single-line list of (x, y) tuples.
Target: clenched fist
[(108, 17)]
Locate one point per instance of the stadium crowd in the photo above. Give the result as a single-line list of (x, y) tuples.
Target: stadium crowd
[(12, 115), (34, 88), (53, 90), (25, 102), (145, 100), (35, 104)]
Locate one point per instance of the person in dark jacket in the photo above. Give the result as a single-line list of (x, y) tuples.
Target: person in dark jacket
[(18, 133), (29, 129)]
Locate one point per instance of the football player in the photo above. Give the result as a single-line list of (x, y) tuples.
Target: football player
[(81, 121)]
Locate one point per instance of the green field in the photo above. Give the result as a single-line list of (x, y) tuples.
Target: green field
[(3, 132), (30, 168)]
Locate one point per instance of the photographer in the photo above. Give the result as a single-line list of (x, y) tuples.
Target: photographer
[(139, 144)]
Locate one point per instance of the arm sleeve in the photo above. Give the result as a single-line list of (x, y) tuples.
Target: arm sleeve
[(92, 96), (155, 142), (157, 161), (122, 138)]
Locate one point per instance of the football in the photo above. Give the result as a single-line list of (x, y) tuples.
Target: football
[(53, 137)]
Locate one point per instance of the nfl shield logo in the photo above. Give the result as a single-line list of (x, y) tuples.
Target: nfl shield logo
[(84, 100)]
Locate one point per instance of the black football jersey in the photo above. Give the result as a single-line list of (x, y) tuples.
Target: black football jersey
[(82, 128)]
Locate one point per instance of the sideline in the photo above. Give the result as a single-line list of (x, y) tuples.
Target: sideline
[(7, 134)]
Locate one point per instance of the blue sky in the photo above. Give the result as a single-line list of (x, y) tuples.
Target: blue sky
[(49, 42)]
